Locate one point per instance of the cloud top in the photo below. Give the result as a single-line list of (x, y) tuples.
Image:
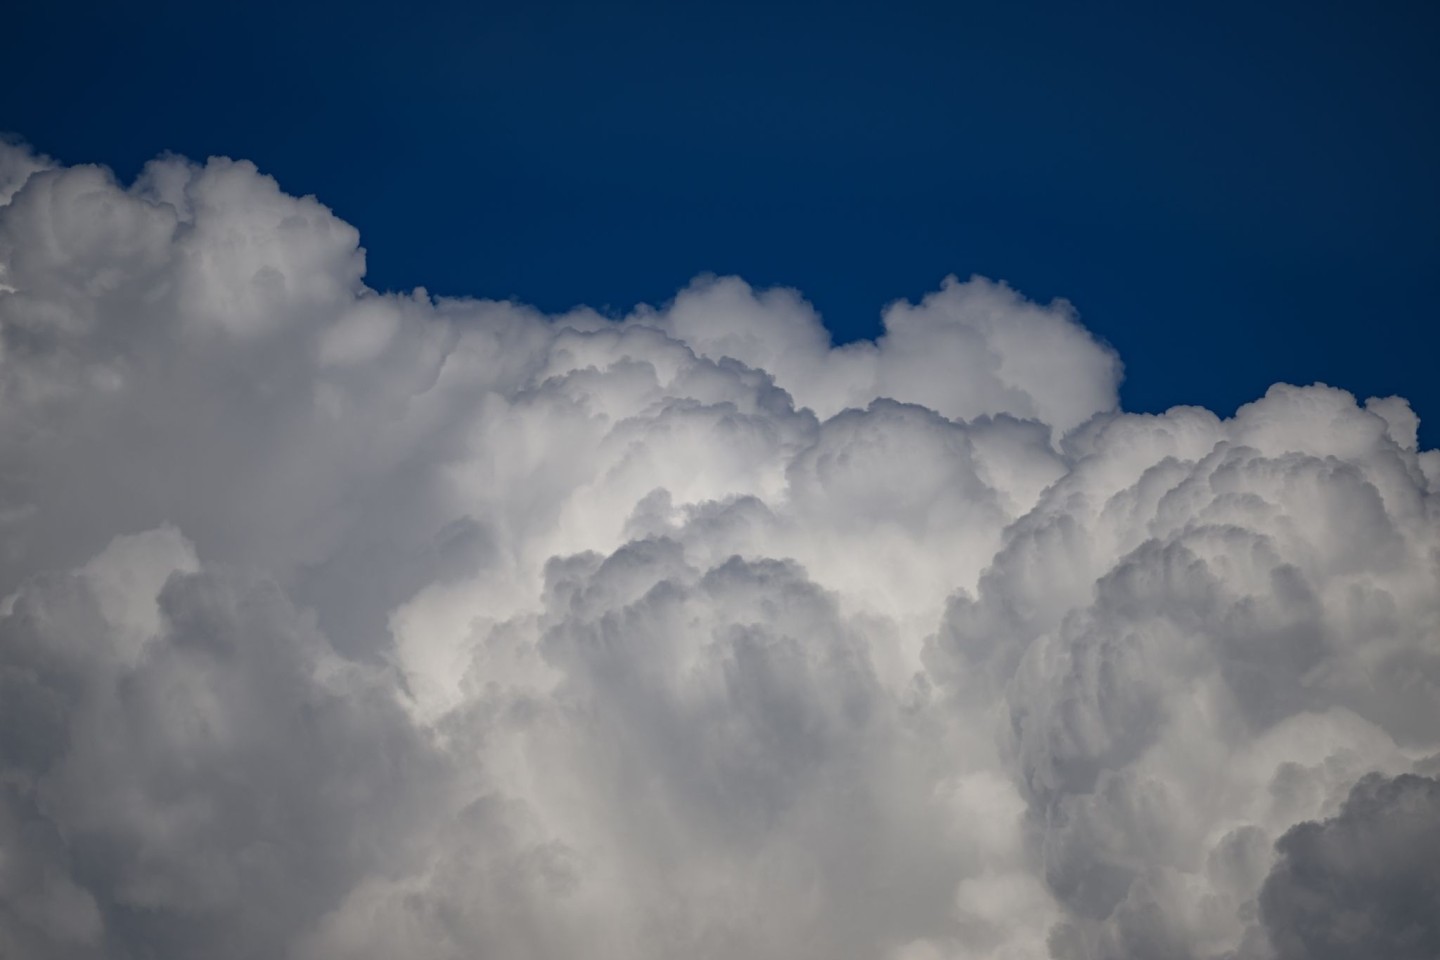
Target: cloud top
[(340, 623)]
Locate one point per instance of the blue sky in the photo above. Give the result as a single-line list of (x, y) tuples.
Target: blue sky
[(1232, 194)]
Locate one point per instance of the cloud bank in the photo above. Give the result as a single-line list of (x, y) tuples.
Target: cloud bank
[(340, 624)]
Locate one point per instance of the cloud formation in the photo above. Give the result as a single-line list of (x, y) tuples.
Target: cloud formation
[(1364, 883), (348, 624)]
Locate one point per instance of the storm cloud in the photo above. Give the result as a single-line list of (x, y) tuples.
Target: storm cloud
[(349, 624)]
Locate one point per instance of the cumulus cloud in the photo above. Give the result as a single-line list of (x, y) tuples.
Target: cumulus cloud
[(339, 623), (1363, 883)]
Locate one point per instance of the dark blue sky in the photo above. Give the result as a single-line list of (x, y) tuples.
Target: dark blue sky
[(1231, 193)]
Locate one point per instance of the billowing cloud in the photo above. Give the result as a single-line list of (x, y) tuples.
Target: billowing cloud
[(347, 624), (1364, 883)]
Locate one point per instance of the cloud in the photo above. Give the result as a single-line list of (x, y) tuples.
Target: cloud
[(1363, 883), (339, 623)]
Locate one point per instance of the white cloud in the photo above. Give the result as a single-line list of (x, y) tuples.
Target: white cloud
[(348, 624)]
